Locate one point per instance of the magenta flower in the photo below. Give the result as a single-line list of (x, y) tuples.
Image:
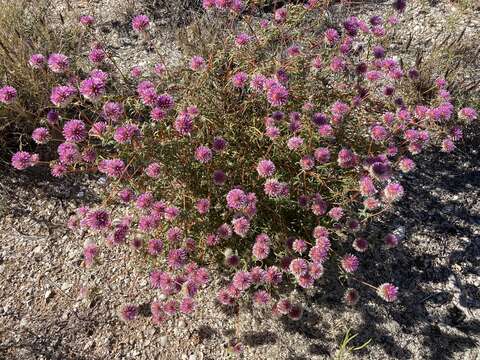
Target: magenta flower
[(360, 244), (113, 111), (468, 114), (298, 267), (350, 263), (128, 312), (261, 298), (391, 240), (240, 79), (74, 131), (87, 20), (153, 170), (184, 124), (97, 219), (242, 280), (176, 258), (336, 213), (155, 247), (92, 88), (203, 205), (21, 160), (58, 170), (294, 143), (97, 55), (322, 155), (197, 63), (241, 226), (136, 72), (90, 251), (62, 95), (140, 23), (236, 199), (41, 135), (68, 153), (393, 192), (280, 15), (388, 292), (260, 250), (203, 154), (187, 305), (277, 95), (112, 168), (158, 114), (8, 94), (36, 61), (331, 36), (406, 165), (242, 39), (273, 276), (351, 297), (266, 168), (58, 63)]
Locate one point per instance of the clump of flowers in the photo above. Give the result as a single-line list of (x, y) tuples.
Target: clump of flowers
[(240, 160)]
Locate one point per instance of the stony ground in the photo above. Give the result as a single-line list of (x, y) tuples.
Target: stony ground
[(51, 307)]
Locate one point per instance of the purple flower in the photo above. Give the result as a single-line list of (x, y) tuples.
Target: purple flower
[(257, 83), (184, 124), (197, 63), (157, 114), (203, 205), (36, 61), (87, 20), (467, 113), (21, 160), (236, 199), (242, 39), (98, 219), (176, 258), (97, 55), (277, 95), (41, 135), (155, 247), (74, 131), (112, 111), (393, 192), (61, 95), (58, 63), (128, 312), (8, 94), (350, 263), (203, 154), (92, 88), (112, 168), (388, 292), (322, 155), (219, 177), (240, 79), (241, 226), (68, 153), (140, 23), (266, 168), (153, 170)]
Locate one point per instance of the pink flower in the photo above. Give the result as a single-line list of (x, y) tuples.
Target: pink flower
[(350, 263), (203, 154), (467, 114), (393, 192), (236, 199), (140, 23), (280, 15), (128, 312), (391, 240), (61, 95), (41, 135), (388, 292), (240, 79), (21, 160), (351, 297), (242, 280), (74, 131), (58, 63), (360, 244), (197, 63), (261, 297), (155, 246), (266, 168), (36, 61), (299, 267), (277, 95), (87, 20), (153, 170), (203, 205), (241, 226)]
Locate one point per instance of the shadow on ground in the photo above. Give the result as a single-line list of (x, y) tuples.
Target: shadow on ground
[(441, 216)]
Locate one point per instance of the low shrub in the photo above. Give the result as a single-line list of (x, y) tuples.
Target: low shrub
[(25, 30), (262, 156)]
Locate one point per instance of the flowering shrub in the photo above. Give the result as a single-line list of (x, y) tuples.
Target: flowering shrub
[(263, 157)]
